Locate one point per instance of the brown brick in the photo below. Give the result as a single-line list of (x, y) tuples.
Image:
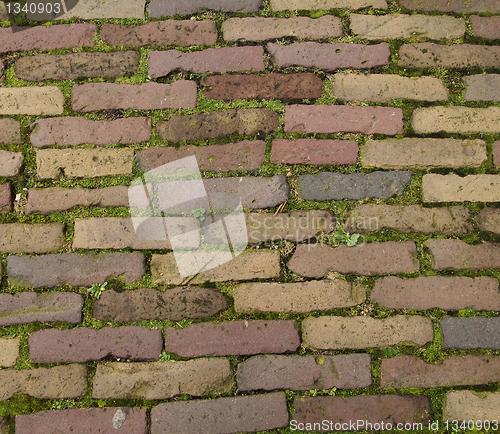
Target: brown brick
[(161, 33), (411, 371), (74, 269), (160, 380), (330, 56), (83, 163), (482, 87), (67, 131), (373, 412), (244, 155), (466, 405), (454, 188), (486, 27), (149, 304), (9, 352), (489, 220), (283, 5), (122, 420), (272, 86), (490, 6), (10, 163), (249, 265), (262, 29), (31, 100), (149, 96), (233, 338), (215, 124), (47, 37), (300, 297), (26, 307), (326, 119), (457, 56), (391, 257), (5, 198), (386, 87), (31, 238), (305, 372), (458, 255), (496, 153), (226, 59), (455, 220), (69, 381), (314, 151), (80, 345), (10, 131), (394, 26), (55, 199), (159, 8), (337, 332), (222, 415), (442, 292)]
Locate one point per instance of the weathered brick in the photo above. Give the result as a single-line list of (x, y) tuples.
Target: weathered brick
[(314, 151), (80, 345), (31, 238), (10, 163), (283, 5), (77, 65), (489, 220), (74, 269), (330, 56), (442, 292), (423, 153), (490, 6), (411, 371), (369, 411), (457, 56), (47, 37), (244, 155), (215, 124), (482, 87), (454, 220), (394, 26), (160, 8), (9, 352), (83, 163), (337, 332), (496, 153), (32, 100), (272, 86), (122, 420), (222, 415), (4, 427), (462, 120), (233, 338), (160, 380), (69, 381), (262, 29), (325, 119), (226, 59), (67, 131), (4, 16), (486, 27), (249, 265), (454, 188), (149, 304), (10, 131), (26, 307), (161, 33), (475, 332), (55, 199), (386, 87), (5, 198), (149, 96), (466, 405), (336, 186), (300, 297), (458, 255)]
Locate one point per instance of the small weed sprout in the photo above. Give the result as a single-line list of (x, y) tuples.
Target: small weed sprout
[(96, 289), (344, 237)]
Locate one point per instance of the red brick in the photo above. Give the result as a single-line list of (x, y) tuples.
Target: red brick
[(149, 96), (161, 33), (330, 56), (31, 237), (283, 5), (10, 131), (486, 27), (5, 198), (96, 9), (489, 220), (325, 119), (226, 59), (461, 6), (233, 338), (314, 151), (159, 8)]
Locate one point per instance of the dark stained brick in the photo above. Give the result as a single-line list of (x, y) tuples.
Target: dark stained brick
[(461, 6), (5, 198), (10, 163), (233, 338), (486, 27), (314, 151), (489, 220), (475, 332), (31, 238), (159, 8), (10, 131)]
